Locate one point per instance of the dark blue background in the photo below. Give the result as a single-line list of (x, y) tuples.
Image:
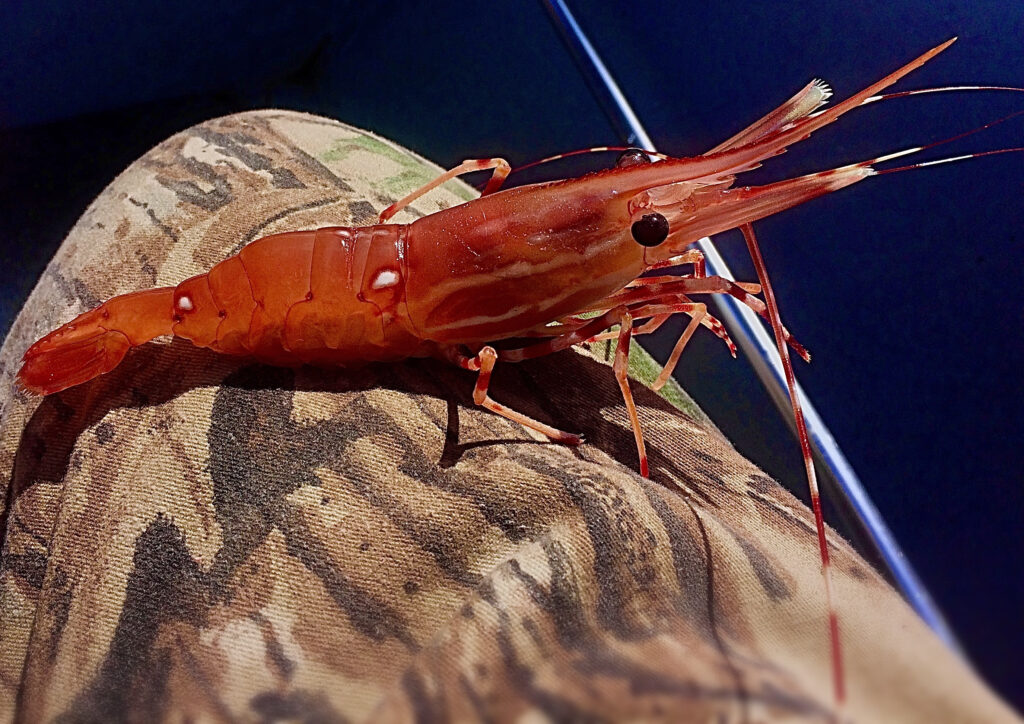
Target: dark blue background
[(907, 288)]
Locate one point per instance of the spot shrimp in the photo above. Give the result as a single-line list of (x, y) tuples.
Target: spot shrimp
[(516, 274)]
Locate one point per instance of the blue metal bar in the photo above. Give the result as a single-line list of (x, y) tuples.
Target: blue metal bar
[(758, 346)]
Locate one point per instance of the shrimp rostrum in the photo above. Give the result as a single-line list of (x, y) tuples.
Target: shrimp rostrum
[(512, 275)]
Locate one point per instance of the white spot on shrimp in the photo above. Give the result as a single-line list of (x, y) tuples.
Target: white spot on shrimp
[(185, 304), (386, 278)]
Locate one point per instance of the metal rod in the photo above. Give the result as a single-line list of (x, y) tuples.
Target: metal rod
[(758, 347)]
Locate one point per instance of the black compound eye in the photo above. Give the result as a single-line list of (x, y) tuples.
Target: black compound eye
[(632, 157), (650, 229)]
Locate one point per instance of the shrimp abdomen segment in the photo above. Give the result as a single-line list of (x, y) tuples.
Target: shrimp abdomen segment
[(332, 295), (280, 270), (232, 292), (355, 302)]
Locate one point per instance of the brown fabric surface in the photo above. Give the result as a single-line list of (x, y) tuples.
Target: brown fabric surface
[(200, 538)]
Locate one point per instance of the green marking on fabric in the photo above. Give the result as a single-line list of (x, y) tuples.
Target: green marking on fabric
[(409, 179), (410, 164), (343, 148), (413, 175)]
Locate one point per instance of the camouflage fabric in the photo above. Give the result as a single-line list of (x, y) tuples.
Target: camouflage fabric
[(199, 538)]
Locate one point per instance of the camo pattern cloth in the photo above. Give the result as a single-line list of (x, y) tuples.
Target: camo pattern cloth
[(199, 538)]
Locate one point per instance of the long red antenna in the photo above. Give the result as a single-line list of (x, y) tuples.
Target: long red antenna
[(838, 678)]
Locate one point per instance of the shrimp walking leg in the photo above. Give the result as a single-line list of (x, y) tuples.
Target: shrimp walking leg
[(484, 363), (621, 369), (656, 321), (652, 325), (690, 256), (621, 316), (677, 351), (698, 315), (681, 304), (648, 293), (501, 171)]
